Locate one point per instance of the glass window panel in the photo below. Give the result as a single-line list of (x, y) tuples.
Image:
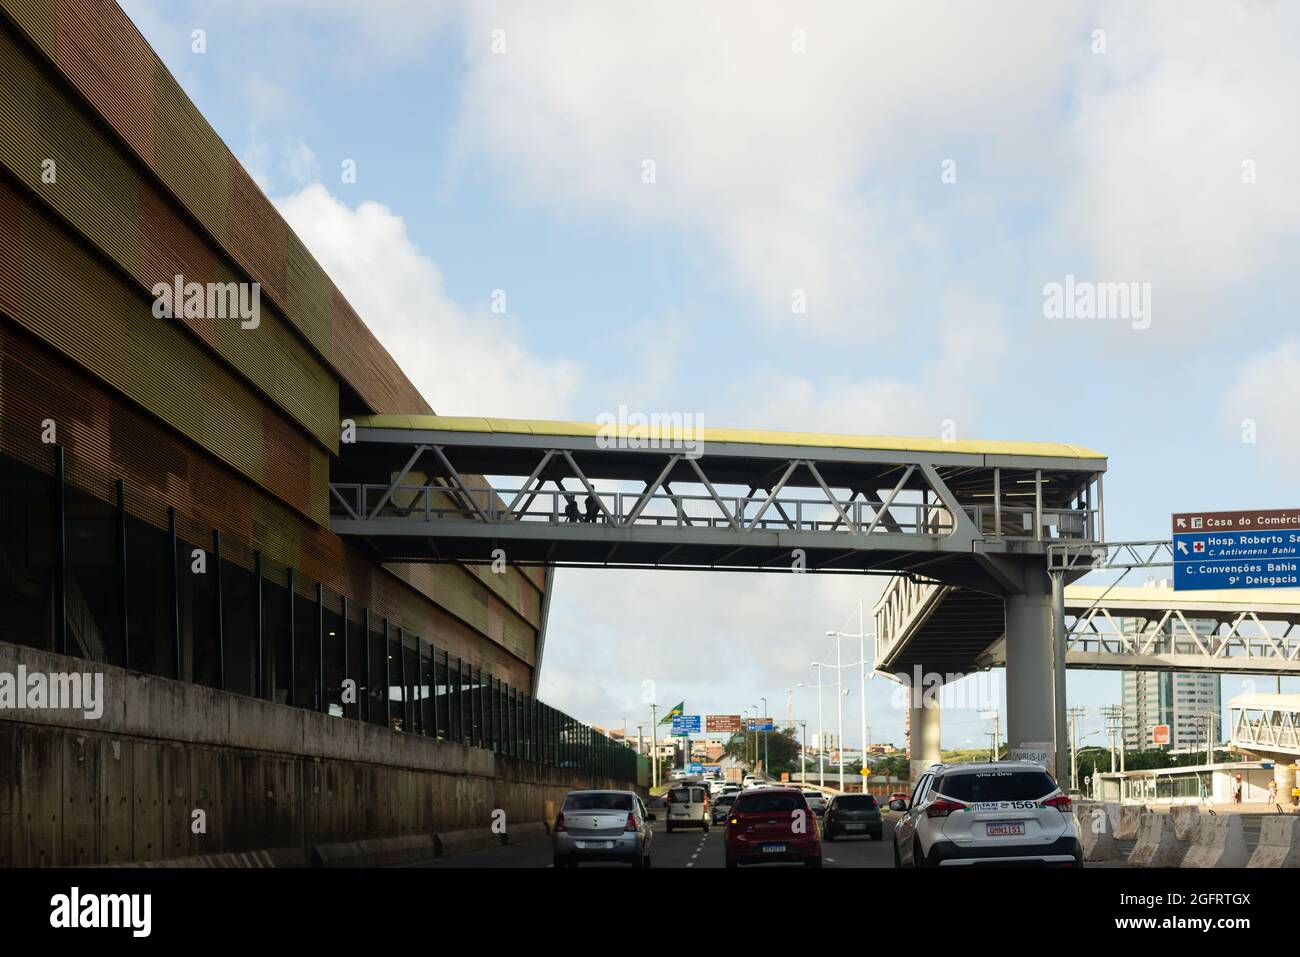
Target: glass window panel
[(94, 607), (239, 626), (306, 634), (148, 598), (334, 663)]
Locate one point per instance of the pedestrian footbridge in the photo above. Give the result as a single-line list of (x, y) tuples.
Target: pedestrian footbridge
[(1107, 627), (438, 488), (1266, 724)]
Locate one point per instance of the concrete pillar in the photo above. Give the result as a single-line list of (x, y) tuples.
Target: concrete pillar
[(923, 731), (1285, 775), (1030, 674)]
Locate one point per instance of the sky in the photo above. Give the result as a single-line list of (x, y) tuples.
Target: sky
[(650, 189)]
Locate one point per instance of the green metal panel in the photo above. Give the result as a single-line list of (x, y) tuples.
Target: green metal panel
[(93, 188), (74, 302), (189, 156)]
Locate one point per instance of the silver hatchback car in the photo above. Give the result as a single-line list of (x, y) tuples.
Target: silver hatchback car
[(602, 826)]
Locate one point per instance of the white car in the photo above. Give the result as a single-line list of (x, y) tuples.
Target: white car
[(816, 800), (687, 806), (1008, 812)]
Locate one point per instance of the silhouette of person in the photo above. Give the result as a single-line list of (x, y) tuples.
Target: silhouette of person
[(571, 509), (593, 508)]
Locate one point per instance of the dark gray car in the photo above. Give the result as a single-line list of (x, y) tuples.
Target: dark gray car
[(853, 815)]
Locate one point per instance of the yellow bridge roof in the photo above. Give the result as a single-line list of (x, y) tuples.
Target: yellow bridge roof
[(678, 434)]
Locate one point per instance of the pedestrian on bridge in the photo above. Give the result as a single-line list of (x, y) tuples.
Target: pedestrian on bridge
[(571, 512), (593, 509)]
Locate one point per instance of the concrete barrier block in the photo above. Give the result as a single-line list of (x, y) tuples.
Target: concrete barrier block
[(268, 857), (530, 831), (1279, 842), (1096, 834), (1220, 843), (375, 852), (451, 843), (1126, 828), (1156, 846), (1187, 822)]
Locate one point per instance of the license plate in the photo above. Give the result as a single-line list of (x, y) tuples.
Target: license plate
[(773, 848), (1004, 828), (595, 845), (855, 827)]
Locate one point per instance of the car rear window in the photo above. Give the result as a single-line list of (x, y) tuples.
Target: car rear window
[(760, 803), (725, 799), (856, 802), (978, 786), (595, 801)]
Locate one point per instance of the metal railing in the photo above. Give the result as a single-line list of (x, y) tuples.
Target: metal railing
[(693, 510)]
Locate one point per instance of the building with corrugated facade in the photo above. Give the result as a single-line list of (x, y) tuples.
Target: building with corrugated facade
[(135, 448)]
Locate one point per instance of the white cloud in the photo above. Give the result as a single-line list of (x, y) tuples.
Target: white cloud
[(464, 362), (788, 165), (971, 338), (718, 639), (1263, 405), (1162, 124)]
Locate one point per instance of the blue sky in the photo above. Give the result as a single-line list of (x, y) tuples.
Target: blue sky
[(503, 146)]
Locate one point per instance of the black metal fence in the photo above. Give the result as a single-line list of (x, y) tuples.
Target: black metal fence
[(92, 568)]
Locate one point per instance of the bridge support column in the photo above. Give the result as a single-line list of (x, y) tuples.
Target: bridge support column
[(1285, 775), (923, 731), (1030, 671)]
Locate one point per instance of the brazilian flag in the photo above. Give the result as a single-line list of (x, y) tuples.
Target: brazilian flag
[(668, 718)]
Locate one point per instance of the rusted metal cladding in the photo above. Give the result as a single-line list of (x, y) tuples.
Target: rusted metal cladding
[(100, 196), (95, 45), (72, 300), (111, 182), (106, 439)]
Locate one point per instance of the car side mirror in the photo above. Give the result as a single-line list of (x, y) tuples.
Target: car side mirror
[(897, 805), (651, 817)]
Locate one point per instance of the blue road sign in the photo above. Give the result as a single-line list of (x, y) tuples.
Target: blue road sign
[(695, 768), (1234, 546), (1248, 548), (762, 726), (1201, 575), (686, 724)]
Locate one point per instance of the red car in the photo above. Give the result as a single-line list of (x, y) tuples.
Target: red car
[(772, 824)]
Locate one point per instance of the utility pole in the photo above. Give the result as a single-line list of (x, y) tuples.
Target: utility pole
[(1075, 714), (1113, 715), (803, 754), (996, 733), (765, 717), (654, 746)]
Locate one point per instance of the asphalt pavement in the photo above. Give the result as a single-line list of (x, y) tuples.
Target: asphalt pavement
[(684, 848)]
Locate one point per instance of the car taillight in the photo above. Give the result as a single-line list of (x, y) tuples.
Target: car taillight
[(1061, 802), (559, 822), (942, 808), (631, 822)]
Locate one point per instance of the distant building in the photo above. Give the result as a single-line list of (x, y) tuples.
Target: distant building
[(1190, 704), (824, 742)]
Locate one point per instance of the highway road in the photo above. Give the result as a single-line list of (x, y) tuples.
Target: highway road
[(680, 849)]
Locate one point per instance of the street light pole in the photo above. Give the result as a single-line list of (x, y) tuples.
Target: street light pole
[(654, 745), (803, 754), (765, 715), (839, 695)]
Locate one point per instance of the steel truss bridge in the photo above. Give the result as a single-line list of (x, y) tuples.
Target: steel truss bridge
[(1107, 627), (1266, 723), (417, 489)]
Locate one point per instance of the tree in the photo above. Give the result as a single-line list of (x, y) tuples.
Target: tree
[(782, 750)]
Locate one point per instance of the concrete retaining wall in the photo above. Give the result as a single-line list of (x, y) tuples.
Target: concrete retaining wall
[(124, 788)]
